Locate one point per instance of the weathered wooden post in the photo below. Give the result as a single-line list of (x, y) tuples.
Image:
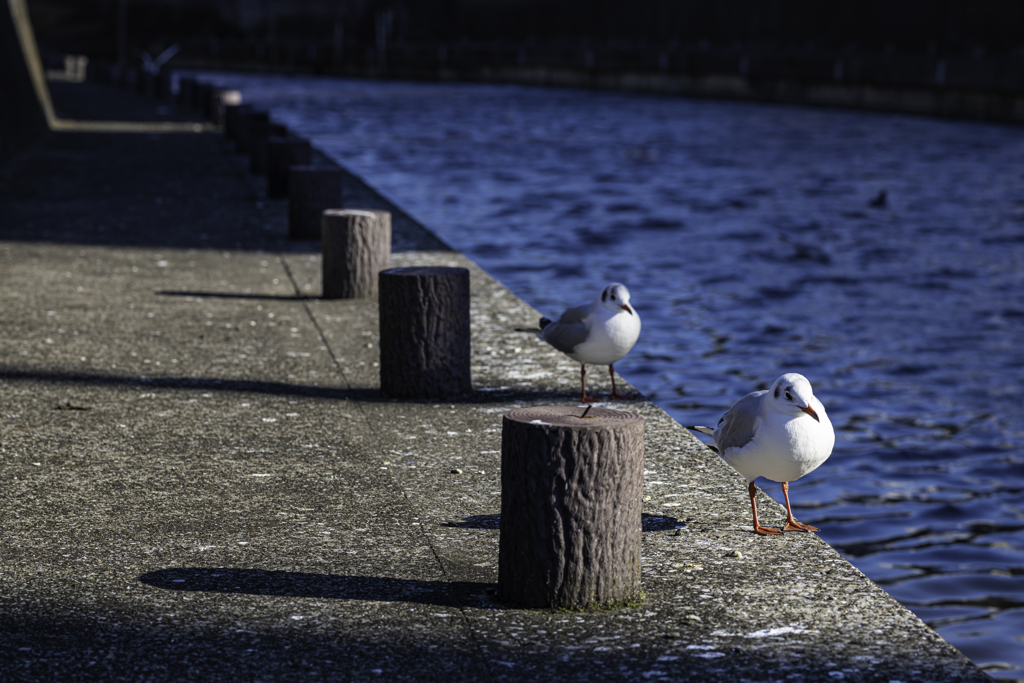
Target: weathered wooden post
[(259, 133), (232, 114), (571, 490), (424, 332), (311, 191), (282, 154), (200, 96), (356, 247), (220, 98), (244, 124)]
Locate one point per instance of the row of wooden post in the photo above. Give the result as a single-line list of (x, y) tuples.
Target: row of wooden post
[(571, 482)]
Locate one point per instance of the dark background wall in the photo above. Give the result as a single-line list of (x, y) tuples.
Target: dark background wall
[(90, 26), (21, 117), (943, 57)]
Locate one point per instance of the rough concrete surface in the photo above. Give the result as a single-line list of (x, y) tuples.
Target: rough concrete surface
[(201, 480)]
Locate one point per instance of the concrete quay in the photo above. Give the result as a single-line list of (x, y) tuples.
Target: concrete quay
[(201, 480)]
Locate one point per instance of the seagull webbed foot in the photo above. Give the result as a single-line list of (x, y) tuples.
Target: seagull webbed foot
[(766, 530), (628, 397), (794, 525)]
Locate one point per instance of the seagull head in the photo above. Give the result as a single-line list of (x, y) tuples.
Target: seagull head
[(615, 297), (792, 394)]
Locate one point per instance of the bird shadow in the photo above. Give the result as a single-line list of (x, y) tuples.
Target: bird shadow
[(307, 585)]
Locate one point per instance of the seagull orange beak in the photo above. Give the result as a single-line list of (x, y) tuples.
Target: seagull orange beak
[(627, 309), (810, 411)]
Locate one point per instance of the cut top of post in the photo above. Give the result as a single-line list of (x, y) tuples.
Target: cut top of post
[(420, 271), (571, 416)]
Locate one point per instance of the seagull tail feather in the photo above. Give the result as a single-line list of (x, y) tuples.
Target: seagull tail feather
[(544, 322), (702, 430)]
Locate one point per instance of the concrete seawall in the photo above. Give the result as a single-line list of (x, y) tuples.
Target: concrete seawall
[(203, 481)]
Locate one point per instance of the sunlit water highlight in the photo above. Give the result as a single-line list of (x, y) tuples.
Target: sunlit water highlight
[(751, 243)]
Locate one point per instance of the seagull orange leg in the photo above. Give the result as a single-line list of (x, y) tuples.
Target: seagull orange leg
[(615, 394), (758, 529), (583, 383), (792, 524)]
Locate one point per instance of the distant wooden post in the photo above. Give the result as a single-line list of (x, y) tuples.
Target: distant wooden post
[(424, 332), (571, 490), (232, 115), (311, 191), (356, 247), (245, 122), (220, 98), (282, 154), (259, 133), (200, 96)]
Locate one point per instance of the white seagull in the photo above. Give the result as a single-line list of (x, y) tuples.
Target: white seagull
[(780, 434), (601, 332)]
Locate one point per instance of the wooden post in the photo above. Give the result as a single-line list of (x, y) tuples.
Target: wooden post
[(232, 115), (200, 96), (424, 332), (219, 99), (282, 154), (259, 133), (356, 247), (571, 490), (244, 124), (311, 191)]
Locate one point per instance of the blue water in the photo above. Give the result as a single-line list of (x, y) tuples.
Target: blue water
[(754, 242)]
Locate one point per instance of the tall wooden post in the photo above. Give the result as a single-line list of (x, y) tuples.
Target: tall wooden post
[(311, 191), (424, 332), (571, 490), (282, 154), (356, 247)]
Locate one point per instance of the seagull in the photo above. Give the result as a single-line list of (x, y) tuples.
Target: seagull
[(600, 332), (779, 434)]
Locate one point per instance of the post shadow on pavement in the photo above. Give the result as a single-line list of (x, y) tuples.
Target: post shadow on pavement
[(307, 585), (235, 295), (480, 396), (493, 522)]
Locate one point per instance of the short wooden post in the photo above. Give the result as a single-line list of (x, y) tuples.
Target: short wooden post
[(282, 154), (232, 114), (356, 247), (311, 191), (571, 490), (219, 99), (244, 125), (259, 133), (424, 332), (200, 96)]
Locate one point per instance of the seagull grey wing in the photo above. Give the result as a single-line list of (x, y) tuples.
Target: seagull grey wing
[(736, 428), (569, 331)]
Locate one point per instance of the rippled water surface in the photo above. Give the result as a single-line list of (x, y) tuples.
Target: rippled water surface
[(751, 243)]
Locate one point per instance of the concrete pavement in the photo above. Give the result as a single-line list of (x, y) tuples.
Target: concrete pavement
[(201, 479)]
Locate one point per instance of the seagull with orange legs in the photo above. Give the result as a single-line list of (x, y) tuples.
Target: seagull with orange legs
[(779, 434), (601, 332)]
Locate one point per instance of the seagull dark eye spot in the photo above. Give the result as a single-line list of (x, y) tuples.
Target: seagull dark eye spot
[(788, 397)]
